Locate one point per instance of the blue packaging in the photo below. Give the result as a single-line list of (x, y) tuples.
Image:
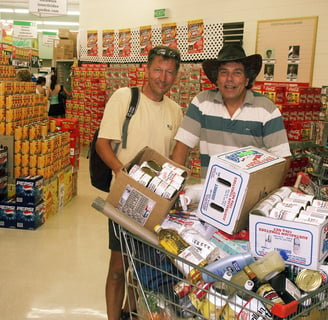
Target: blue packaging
[(233, 263), (30, 216), (8, 213), (29, 189)]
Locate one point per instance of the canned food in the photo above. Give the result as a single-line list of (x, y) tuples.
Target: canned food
[(282, 214), (308, 280), (176, 169), (263, 208), (283, 192), (161, 188), (293, 207), (266, 291), (17, 159), (18, 146), (169, 192), (302, 196), (17, 171), (153, 184), (182, 288)]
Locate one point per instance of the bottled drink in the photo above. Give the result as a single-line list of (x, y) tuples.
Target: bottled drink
[(233, 263), (170, 240), (264, 268), (286, 289)]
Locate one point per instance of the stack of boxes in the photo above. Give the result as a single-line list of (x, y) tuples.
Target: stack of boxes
[(65, 47)]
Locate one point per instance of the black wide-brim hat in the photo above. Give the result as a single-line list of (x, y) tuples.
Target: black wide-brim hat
[(229, 53)]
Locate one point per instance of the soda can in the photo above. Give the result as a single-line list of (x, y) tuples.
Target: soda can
[(182, 288), (301, 196)]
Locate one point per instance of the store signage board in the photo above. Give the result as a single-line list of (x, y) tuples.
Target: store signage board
[(161, 13), (48, 38), (48, 8), (25, 30)]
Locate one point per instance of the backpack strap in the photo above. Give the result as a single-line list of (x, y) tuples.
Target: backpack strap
[(131, 111)]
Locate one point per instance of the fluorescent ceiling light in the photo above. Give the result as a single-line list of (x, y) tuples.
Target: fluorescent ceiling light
[(73, 13), (57, 23), (6, 10), (21, 11)]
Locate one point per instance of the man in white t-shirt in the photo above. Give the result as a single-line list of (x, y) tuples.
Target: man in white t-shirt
[(154, 124)]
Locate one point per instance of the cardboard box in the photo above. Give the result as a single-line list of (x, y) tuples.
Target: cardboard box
[(63, 49), (64, 33), (8, 213), (137, 201), (309, 251), (30, 216), (29, 189), (235, 181)]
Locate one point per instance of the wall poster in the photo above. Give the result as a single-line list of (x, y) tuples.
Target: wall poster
[(287, 47)]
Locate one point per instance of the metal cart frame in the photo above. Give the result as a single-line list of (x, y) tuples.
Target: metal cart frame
[(157, 302)]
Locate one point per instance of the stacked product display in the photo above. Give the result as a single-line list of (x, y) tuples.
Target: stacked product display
[(38, 148)]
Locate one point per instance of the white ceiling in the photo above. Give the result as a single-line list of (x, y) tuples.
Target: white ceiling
[(72, 5)]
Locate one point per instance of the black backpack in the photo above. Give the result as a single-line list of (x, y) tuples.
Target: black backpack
[(100, 174)]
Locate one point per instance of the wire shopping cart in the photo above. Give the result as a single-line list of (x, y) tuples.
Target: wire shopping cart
[(157, 287)]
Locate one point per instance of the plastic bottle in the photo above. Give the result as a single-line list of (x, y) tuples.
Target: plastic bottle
[(265, 267), (216, 298), (206, 248), (233, 263), (170, 240)]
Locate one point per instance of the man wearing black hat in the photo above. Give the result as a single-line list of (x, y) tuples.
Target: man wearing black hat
[(231, 116)]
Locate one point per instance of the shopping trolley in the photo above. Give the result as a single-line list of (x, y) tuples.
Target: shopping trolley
[(152, 279)]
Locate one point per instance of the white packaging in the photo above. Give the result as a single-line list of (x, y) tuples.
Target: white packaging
[(235, 182), (309, 251)]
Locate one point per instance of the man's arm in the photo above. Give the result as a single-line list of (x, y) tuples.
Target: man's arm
[(180, 153), (107, 154)]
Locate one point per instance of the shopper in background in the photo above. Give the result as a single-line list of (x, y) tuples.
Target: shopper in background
[(24, 75), (231, 116), (154, 124), (41, 86), (56, 107)]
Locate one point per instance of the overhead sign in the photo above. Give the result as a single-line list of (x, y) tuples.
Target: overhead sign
[(48, 7), (25, 30), (48, 38)]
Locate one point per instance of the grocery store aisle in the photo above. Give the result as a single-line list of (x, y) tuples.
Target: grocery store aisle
[(57, 271)]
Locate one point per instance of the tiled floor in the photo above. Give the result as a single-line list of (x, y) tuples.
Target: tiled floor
[(57, 271)]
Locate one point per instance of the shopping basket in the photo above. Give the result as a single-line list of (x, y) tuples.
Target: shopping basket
[(151, 277)]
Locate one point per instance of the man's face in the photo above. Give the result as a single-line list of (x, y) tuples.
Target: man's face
[(232, 81), (161, 75)]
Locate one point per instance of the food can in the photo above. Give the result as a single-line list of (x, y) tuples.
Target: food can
[(153, 184), (283, 192), (52, 126), (18, 146), (302, 196), (17, 171), (17, 159), (281, 214), (18, 132), (263, 208), (308, 280), (169, 192), (293, 207), (25, 146), (182, 288), (161, 188), (176, 169), (25, 170), (302, 202)]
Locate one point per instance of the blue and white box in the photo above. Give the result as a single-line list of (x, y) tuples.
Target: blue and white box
[(30, 216), (306, 244), (29, 189), (235, 182)]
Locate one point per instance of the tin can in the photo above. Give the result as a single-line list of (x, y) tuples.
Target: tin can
[(153, 184), (169, 192), (283, 192), (18, 132), (182, 288), (303, 203), (17, 171), (17, 159), (302, 196), (18, 146), (263, 208), (34, 147), (161, 188), (25, 170), (308, 280), (293, 207), (283, 214), (52, 126), (176, 169), (25, 147)]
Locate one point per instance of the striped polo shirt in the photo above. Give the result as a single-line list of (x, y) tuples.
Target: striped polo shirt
[(257, 123)]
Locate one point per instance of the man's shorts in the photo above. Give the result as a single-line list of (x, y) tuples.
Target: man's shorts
[(114, 237)]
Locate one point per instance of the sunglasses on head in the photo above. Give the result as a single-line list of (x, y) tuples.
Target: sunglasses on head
[(166, 52)]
